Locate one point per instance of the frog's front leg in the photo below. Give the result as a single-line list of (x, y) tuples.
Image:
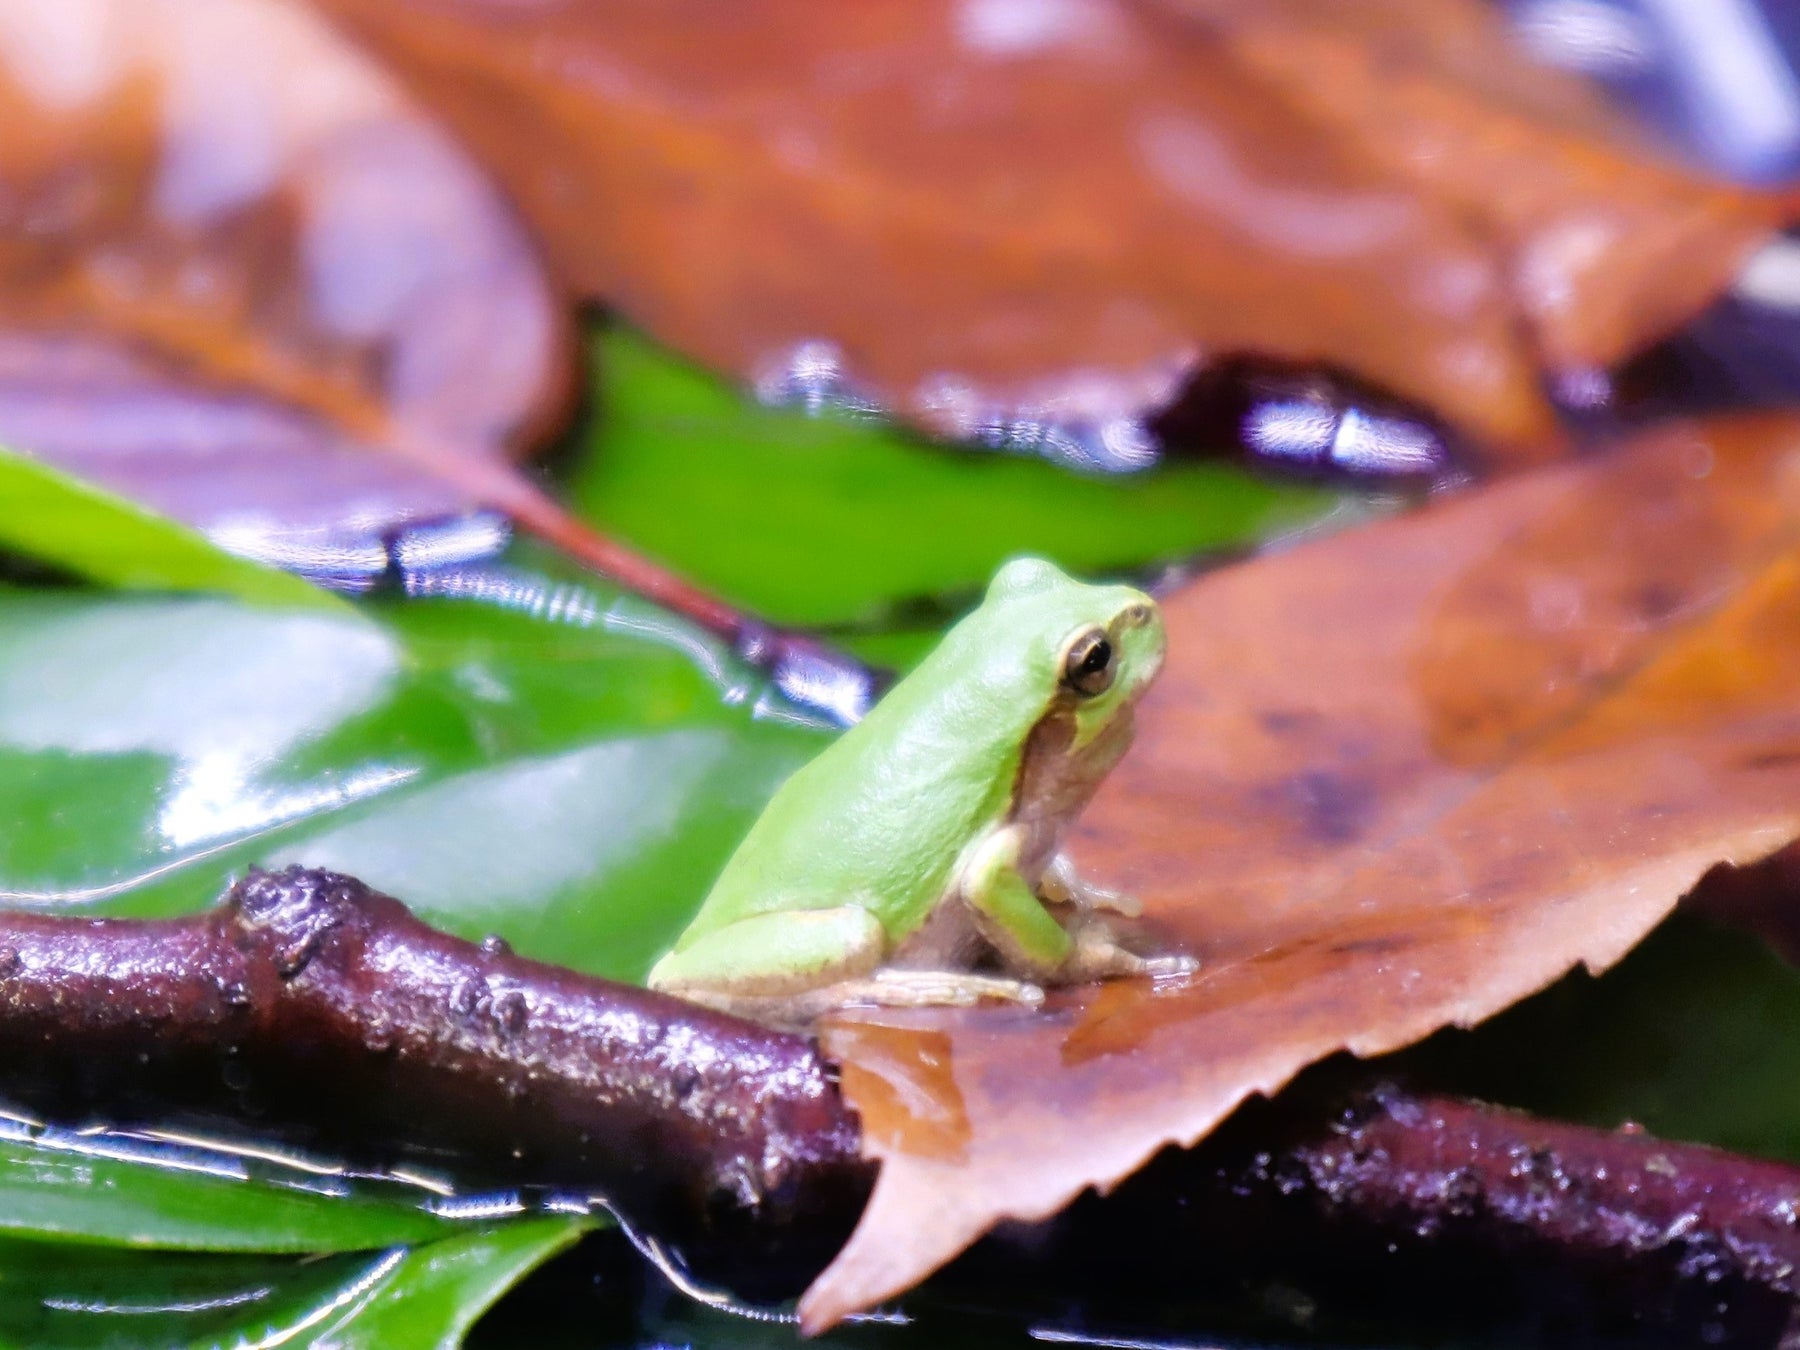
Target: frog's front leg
[(1031, 940), (1007, 910)]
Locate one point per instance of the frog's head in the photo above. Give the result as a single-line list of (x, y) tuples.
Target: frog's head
[(1093, 649)]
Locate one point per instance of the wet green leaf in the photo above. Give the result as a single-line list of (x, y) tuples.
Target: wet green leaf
[(59, 1297), (436, 1291), (48, 516), (832, 519), (109, 1191), (419, 1298)]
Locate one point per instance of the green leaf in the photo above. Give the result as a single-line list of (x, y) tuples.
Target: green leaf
[(62, 1297), (105, 1190), (437, 1291), (49, 516), (420, 1298), (572, 785), (827, 520)]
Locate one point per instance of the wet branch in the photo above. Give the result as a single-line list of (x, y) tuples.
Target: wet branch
[(1334, 1210), (308, 1007), (312, 1008)]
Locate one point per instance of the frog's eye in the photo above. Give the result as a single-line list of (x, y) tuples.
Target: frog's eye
[(1088, 663)]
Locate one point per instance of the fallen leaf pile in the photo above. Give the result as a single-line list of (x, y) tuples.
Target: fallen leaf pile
[(1389, 782)]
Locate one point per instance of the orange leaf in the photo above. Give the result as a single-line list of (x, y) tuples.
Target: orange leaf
[(1016, 220), (1388, 782)]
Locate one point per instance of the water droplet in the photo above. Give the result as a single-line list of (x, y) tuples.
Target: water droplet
[(495, 945), (468, 997), (293, 959), (511, 1013)]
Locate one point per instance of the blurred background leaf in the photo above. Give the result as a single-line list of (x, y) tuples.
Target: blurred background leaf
[(56, 519), (843, 522)]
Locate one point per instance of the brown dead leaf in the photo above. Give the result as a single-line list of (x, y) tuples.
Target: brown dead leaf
[(242, 277), (1391, 781), (1016, 221)]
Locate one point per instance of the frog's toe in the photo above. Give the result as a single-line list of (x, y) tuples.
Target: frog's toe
[(1099, 956), (1168, 967)]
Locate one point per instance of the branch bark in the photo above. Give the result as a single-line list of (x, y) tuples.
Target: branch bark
[(316, 1009), (1336, 1210)]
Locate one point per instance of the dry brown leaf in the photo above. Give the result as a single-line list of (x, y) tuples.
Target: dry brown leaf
[(1014, 220), (1390, 781), (240, 272)]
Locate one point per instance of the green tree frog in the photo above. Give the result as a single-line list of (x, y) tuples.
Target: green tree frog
[(924, 841)]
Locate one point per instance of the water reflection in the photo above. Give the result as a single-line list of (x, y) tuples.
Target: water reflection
[(1313, 433), (804, 687), (352, 1292), (1718, 77), (101, 1307), (261, 1162)]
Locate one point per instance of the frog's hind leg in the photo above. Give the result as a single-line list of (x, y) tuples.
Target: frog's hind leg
[(778, 955), (907, 989)]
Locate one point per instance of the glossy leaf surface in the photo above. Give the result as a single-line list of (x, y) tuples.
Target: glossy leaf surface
[(572, 785), (420, 1298), (436, 1291), (1028, 225), (114, 1191), (769, 494), (1388, 782)]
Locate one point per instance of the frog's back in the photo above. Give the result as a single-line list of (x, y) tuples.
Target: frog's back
[(881, 816)]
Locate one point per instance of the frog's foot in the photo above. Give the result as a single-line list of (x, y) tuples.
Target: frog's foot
[(1097, 955), (1062, 885)]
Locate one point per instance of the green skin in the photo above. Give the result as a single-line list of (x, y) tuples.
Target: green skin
[(925, 838)]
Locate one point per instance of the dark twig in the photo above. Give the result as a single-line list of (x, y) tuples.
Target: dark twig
[(1386, 1212), (309, 1003)]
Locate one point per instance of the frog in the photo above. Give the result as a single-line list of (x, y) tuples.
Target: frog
[(917, 860)]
